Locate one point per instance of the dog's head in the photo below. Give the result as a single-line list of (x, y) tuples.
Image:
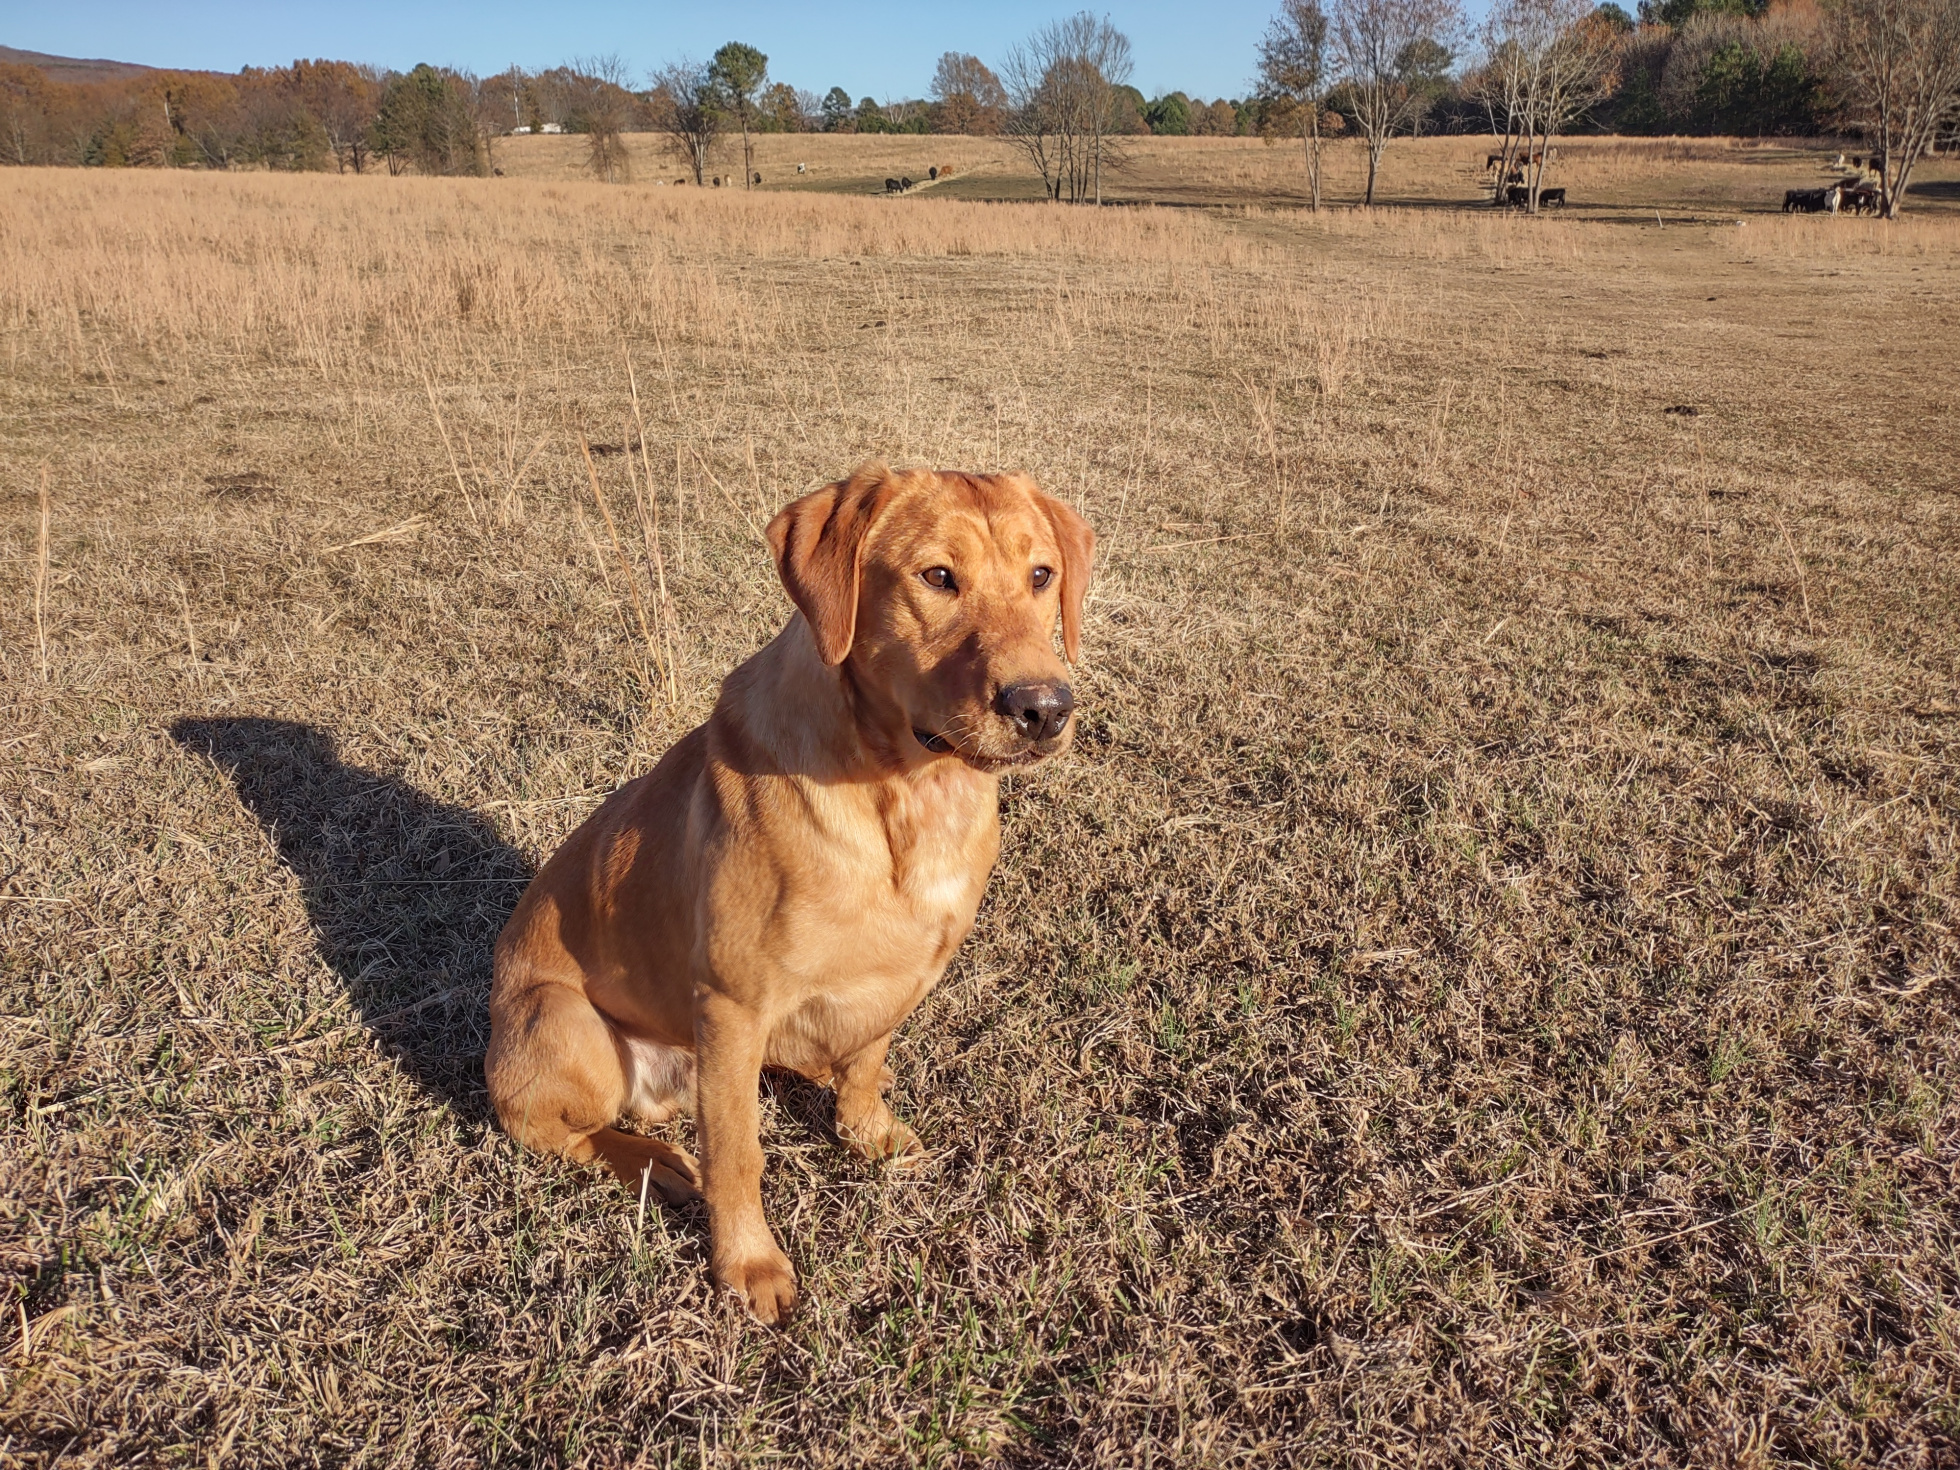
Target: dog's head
[(939, 593)]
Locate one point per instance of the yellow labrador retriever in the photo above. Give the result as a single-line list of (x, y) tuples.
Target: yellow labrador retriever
[(793, 876)]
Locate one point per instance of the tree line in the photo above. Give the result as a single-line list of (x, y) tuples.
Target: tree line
[(1370, 69), (1536, 70)]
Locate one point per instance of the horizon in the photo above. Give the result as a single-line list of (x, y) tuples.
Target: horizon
[(878, 49)]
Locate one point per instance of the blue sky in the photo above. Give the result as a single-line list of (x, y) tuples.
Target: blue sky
[(877, 48)]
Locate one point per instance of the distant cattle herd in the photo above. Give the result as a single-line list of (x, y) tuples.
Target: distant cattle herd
[(1861, 193), (1511, 187), (1839, 198), (1858, 194), (900, 186)]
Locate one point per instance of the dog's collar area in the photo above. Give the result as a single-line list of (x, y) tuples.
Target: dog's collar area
[(937, 744)]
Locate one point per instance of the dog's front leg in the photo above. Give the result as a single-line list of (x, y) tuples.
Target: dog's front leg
[(730, 1041)]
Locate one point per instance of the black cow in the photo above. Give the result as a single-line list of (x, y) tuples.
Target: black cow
[(891, 186), (933, 172), (904, 184), (1518, 196), (1811, 201)]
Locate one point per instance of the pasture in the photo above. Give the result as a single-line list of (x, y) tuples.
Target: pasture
[(1484, 989), (1626, 179)]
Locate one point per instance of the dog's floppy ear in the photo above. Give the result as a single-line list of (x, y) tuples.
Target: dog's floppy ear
[(1078, 542), (819, 546)]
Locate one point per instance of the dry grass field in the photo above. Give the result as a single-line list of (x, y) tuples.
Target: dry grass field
[(1609, 178), (1483, 991)]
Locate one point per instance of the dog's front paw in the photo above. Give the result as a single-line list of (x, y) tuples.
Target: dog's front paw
[(878, 1136), (765, 1282)]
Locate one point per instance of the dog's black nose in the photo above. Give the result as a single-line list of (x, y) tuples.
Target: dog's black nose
[(1039, 711)]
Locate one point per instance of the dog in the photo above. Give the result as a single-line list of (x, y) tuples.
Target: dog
[(792, 877)]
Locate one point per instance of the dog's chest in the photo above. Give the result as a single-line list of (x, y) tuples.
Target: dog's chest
[(883, 918), (942, 838)]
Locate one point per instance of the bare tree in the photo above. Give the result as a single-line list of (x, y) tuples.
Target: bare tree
[(1293, 65), (1581, 71), (1110, 62), (1373, 43), (687, 108), (1033, 120), (1900, 65), (1548, 63), (1063, 88), (599, 105), (1499, 85)]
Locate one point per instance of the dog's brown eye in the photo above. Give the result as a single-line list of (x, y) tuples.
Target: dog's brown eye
[(1042, 577), (939, 577)]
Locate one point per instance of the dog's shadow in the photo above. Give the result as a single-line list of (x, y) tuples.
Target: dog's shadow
[(406, 894)]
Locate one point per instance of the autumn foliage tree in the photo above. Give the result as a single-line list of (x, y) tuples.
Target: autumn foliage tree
[(967, 96), (781, 110), (342, 99)]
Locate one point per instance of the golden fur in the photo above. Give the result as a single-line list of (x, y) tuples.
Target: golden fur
[(793, 876)]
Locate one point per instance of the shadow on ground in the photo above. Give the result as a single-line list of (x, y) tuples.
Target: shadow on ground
[(406, 894)]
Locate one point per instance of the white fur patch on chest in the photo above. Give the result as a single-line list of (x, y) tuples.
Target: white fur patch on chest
[(940, 834), (939, 888), (659, 1079)]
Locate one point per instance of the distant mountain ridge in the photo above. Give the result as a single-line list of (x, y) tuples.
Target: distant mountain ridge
[(71, 68)]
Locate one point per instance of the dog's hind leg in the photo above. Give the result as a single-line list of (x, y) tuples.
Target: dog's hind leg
[(865, 1124), (632, 1156), (556, 1079)]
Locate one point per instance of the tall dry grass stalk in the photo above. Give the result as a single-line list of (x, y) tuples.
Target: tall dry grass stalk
[(648, 504), (649, 643), (1803, 578), (449, 449), (41, 576), (190, 630)]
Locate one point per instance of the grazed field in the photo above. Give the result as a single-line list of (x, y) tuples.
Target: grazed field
[(1483, 991), (1609, 178)]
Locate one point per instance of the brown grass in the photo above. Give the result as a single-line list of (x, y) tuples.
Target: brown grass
[(1482, 992), (1608, 178)]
